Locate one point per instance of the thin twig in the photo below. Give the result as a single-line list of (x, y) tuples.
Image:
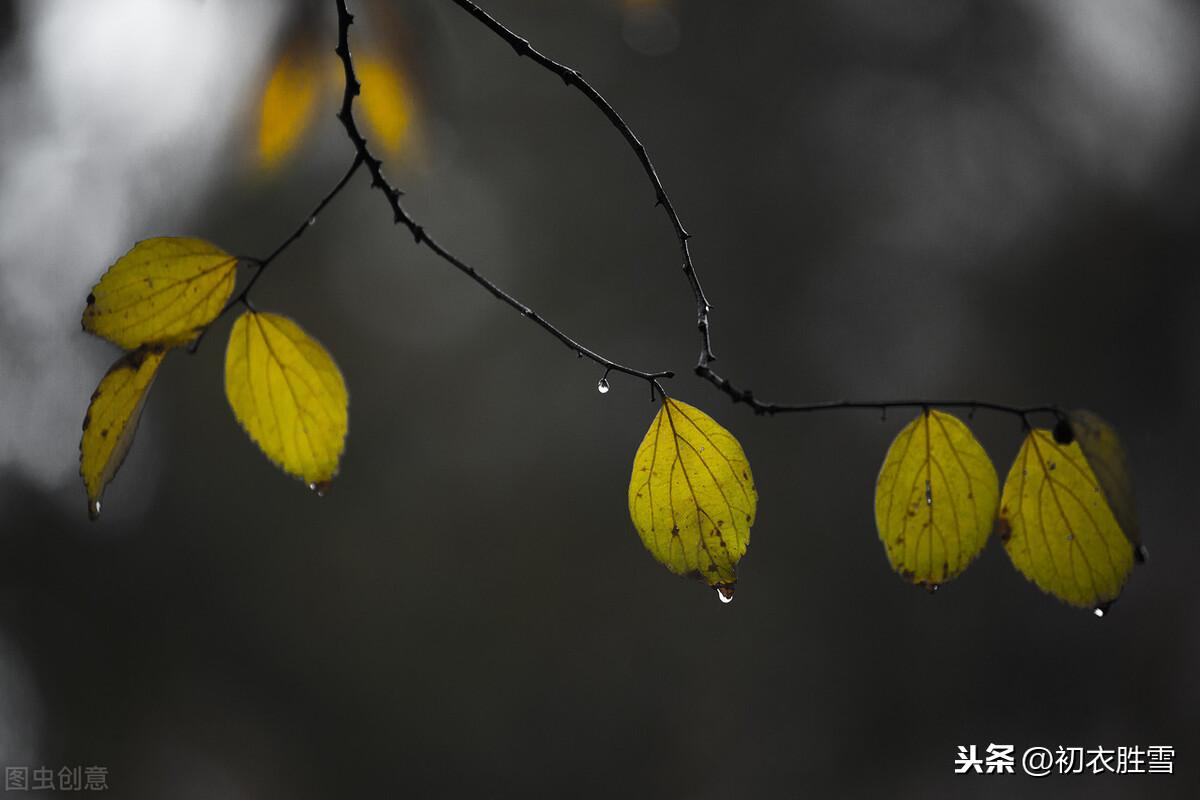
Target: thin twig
[(261, 264), (401, 217), (571, 77), (763, 407)]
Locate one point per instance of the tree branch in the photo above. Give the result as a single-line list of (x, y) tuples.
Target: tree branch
[(261, 264), (401, 217), (572, 78)]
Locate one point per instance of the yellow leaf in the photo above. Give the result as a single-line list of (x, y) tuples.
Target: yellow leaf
[(1106, 457), (1057, 525), (288, 394), (112, 420), (935, 500), (386, 101), (164, 291), (692, 497), (288, 103)]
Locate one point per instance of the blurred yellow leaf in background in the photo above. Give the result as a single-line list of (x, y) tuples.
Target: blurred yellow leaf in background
[(288, 394), (935, 499), (164, 291), (112, 420), (386, 102), (289, 101), (1106, 457), (1058, 527), (306, 77), (692, 497)]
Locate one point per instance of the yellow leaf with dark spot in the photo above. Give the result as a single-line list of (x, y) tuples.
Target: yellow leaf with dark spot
[(1106, 457), (386, 102), (691, 495), (935, 499), (288, 103), (164, 291), (1057, 526), (112, 420), (288, 394)]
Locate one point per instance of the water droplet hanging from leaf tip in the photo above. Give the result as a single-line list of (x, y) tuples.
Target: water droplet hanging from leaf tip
[(1098, 611), (602, 386), (725, 593), (94, 510)]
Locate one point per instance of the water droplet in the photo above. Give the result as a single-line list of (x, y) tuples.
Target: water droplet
[(312, 220), (1098, 611), (94, 510), (724, 592), (602, 386), (1141, 554), (320, 488), (928, 494), (932, 587)]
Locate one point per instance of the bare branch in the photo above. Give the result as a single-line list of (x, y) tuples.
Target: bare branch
[(572, 78), (401, 216)]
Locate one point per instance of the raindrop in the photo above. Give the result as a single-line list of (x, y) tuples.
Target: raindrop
[(1098, 611), (1141, 554), (94, 510), (320, 488), (602, 386), (312, 220), (725, 593), (932, 587)]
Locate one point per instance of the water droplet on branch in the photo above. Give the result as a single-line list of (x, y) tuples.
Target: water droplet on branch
[(602, 386)]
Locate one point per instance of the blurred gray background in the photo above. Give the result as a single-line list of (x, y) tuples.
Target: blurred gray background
[(941, 199)]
